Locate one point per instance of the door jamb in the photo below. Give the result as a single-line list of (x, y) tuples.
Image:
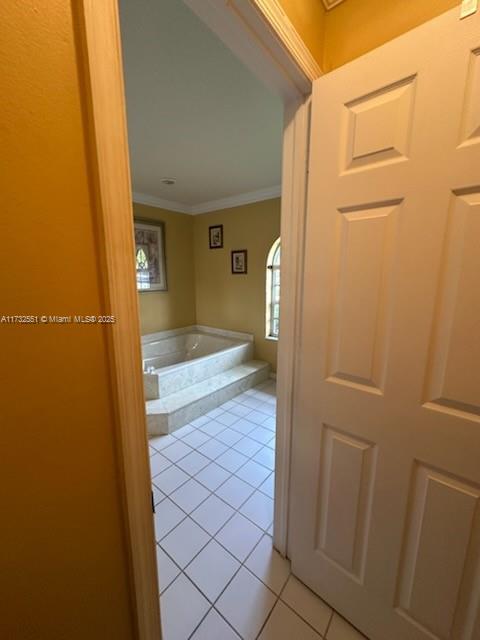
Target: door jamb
[(259, 33)]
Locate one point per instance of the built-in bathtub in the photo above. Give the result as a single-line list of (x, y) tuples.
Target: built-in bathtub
[(189, 371), (174, 362)]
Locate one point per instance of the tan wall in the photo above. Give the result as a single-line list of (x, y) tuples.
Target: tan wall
[(162, 310), (63, 558), (357, 26), (236, 302)]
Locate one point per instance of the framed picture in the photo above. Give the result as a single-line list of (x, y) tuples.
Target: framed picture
[(215, 236), (239, 261), (150, 255)]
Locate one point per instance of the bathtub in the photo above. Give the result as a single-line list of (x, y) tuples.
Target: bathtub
[(175, 360)]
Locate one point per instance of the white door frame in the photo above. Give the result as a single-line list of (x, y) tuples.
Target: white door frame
[(260, 35)]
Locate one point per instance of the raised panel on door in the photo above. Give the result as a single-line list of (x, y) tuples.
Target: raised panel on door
[(455, 350), (440, 571), (361, 296)]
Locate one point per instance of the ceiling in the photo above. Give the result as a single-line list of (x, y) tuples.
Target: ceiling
[(195, 113)]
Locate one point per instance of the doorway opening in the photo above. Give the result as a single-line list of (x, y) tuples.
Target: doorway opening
[(205, 141)]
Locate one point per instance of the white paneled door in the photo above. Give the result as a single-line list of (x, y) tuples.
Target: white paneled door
[(385, 517)]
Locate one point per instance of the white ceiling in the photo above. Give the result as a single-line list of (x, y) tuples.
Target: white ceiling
[(194, 111)]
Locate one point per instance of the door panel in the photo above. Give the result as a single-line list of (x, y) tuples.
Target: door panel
[(386, 445)]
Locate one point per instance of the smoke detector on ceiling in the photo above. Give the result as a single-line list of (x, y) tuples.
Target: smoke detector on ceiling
[(168, 181)]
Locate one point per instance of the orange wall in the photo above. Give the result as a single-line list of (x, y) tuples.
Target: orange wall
[(308, 16), (357, 26), (63, 560), (354, 27)]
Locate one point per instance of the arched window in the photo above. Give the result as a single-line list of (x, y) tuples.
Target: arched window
[(273, 291)]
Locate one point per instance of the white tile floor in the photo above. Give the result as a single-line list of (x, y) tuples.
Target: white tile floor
[(220, 578)]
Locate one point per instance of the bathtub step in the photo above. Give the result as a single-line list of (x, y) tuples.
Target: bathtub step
[(177, 409)]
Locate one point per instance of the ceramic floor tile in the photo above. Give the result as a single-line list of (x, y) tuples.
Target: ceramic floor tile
[(198, 422), (212, 449), (267, 409), (212, 428), (212, 514), (247, 446), (160, 442), (266, 457), (214, 413), (171, 479), (244, 426), (158, 463), (261, 435), (151, 451), (167, 516), (268, 565), (308, 605), (246, 603), (227, 418), (270, 424), (196, 438), (253, 473), (178, 619), (228, 405), (284, 624), (158, 495), (212, 569), (258, 508), (234, 491), (184, 542), (256, 416), (183, 431), (193, 463), (231, 460), (239, 536), (271, 444), (212, 476), (190, 495), (228, 437), (214, 627), (176, 451), (251, 402), (240, 410), (268, 487), (340, 629), (167, 570)]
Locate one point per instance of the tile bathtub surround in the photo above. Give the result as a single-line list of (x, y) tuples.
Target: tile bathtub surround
[(219, 576)]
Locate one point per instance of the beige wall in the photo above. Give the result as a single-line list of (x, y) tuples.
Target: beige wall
[(63, 558), (161, 310), (236, 302)]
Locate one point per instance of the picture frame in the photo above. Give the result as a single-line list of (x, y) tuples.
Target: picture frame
[(150, 259), (239, 261), (215, 236)]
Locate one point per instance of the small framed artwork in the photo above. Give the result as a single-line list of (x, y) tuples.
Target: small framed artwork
[(215, 235), (150, 255), (239, 261)]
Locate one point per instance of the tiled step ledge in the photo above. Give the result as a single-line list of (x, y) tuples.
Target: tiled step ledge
[(177, 409)]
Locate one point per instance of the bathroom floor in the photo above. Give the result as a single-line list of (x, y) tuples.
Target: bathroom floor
[(220, 578)]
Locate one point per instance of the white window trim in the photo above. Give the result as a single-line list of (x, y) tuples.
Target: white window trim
[(269, 335)]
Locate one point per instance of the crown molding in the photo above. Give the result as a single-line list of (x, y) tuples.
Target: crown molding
[(329, 4), (235, 201), (280, 23), (248, 197), (171, 205)]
